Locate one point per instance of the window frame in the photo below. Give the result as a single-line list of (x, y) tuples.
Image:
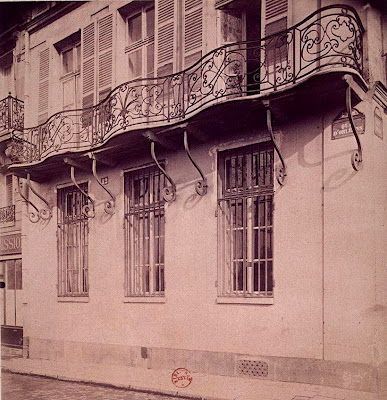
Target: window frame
[(142, 44), (74, 74), (134, 286), (63, 293), (226, 292)]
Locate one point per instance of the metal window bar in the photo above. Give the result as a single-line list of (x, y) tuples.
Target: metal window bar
[(144, 232), (246, 221), (73, 232)]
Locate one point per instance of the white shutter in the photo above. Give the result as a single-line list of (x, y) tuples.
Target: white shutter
[(193, 27), (165, 36), (9, 190), (105, 55), (44, 74), (88, 67), (275, 10)]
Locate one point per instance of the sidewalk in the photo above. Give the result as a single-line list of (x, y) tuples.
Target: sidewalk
[(202, 386)]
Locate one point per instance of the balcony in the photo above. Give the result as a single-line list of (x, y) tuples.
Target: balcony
[(7, 214), (11, 114), (328, 43)]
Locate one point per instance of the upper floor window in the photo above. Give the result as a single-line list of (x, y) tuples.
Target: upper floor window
[(245, 216), (140, 43), (71, 59), (71, 69)]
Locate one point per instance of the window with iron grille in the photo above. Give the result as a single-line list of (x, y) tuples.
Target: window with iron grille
[(73, 237), (245, 221), (144, 231)]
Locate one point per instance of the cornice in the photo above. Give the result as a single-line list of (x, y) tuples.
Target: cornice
[(52, 14)]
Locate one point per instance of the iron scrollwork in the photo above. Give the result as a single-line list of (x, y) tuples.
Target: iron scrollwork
[(7, 214), (357, 155), (109, 205), (201, 185), (280, 172), (169, 192), (331, 37), (87, 210), (33, 216), (11, 113)]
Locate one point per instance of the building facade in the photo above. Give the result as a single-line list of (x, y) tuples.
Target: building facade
[(201, 185)]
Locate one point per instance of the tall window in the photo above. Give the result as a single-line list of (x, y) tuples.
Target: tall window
[(144, 229), (71, 69), (245, 214), (73, 234), (140, 43)]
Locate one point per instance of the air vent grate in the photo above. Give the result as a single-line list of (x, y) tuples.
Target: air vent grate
[(252, 368)]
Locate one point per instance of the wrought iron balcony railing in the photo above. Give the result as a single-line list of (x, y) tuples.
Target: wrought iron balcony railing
[(330, 39), (11, 114), (7, 214)]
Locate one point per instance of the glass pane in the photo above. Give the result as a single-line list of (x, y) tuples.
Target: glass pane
[(134, 28), (78, 51), (150, 22), (69, 94), (18, 274), (10, 284), (135, 64), (150, 60), (67, 61), (231, 26)]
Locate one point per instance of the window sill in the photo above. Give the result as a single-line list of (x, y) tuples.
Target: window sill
[(145, 300), (73, 299), (245, 300)]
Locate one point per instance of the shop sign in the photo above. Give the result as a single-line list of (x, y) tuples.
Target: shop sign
[(341, 126), (10, 244)]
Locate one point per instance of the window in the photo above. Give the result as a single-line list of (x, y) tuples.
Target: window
[(144, 230), (277, 46), (276, 21), (71, 69), (73, 233), (71, 60), (245, 217), (140, 48), (14, 274)]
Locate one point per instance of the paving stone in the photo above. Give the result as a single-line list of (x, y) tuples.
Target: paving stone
[(24, 387)]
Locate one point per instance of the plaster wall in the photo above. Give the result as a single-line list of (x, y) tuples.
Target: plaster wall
[(190, 317)]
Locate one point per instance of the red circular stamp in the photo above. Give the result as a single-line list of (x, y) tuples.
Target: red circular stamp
[(181, 377)]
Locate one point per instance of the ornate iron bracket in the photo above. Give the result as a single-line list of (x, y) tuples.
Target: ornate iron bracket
[(280, 172), (44, 213), (87, 210), (357, 155), (169, 194), (109, 204), (201, 185), (32, 216)]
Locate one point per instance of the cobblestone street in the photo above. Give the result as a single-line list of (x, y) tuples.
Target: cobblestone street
[(23, 387)]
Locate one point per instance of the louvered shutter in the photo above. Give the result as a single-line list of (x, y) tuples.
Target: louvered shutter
[(88, 67), (165, 36), (44, 75), (9, 189), (193, 28), (105, 56), (275, 10)]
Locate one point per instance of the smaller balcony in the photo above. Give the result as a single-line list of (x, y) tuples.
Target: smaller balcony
[(11, 114), (299, 65), (7, 214)]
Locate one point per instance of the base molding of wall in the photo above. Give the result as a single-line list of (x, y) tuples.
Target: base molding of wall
[(339, 374)]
